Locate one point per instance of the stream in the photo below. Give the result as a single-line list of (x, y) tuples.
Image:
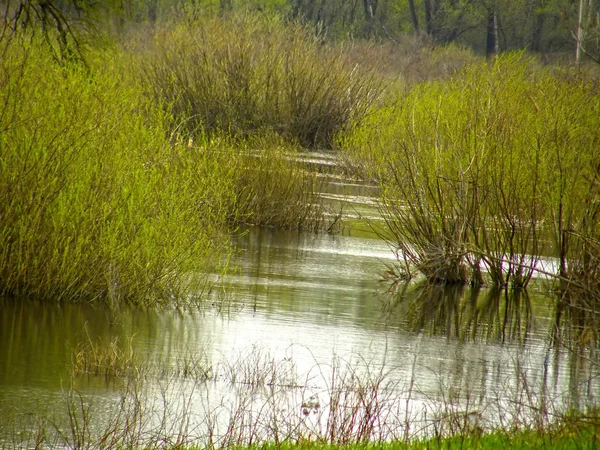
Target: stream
[(299, 335)]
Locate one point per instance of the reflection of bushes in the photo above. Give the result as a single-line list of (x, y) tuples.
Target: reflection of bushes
[(466, 313)]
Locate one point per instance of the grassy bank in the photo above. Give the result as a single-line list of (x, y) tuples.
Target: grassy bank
[(567, 437)]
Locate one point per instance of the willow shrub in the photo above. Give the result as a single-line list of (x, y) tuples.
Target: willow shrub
[(267, 184), (250, 73), (480, 170), (95, 203)]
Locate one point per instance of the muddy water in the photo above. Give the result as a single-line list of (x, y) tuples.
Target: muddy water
[(301, 315)]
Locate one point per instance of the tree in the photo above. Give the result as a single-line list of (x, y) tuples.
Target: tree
[(370, 8), (492, 47), (587, 31), (413, 16), (57, 22)]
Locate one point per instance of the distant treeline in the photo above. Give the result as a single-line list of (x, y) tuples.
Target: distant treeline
[(487, 26)]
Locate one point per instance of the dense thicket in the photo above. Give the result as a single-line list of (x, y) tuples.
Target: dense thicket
[(492, 171), (103, 196)]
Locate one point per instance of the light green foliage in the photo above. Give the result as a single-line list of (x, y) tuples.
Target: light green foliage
[(95, 203), (267, 185), (483, 166), (103, 198)]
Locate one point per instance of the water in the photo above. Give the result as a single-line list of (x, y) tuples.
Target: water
[(302, 315)]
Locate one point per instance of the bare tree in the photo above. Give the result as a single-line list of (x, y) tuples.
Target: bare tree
[(587, 31), (370, 7), (57, 22)]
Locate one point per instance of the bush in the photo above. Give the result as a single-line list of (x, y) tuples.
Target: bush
[(94, 202), (482, 170), (248, 74)]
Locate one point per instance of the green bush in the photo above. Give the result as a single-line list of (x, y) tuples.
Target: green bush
[(94, 201), (482, 170), (250, 73)]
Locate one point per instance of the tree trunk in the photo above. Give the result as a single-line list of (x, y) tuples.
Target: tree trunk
[(538, 29), (492, 47), (152, 11), (224, 6), (580, 31), (413, 15), (428, 17), (370, 7), (297, 8)]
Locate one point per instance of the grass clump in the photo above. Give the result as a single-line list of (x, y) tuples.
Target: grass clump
[(487, 171), (249, 73)]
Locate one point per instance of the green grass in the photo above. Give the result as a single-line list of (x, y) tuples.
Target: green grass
[(565, 438)]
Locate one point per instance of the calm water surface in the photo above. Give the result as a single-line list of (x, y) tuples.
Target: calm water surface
[(312, 307)]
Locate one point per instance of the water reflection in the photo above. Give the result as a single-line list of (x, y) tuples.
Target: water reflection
[(464, 312), (307, 310)]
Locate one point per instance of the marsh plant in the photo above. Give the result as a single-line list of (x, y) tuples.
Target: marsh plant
[(94, 203), (487, 172), (250, 73), (102, 200), (345, 402)]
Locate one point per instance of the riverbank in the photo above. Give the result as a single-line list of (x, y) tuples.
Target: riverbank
[(565, 437)]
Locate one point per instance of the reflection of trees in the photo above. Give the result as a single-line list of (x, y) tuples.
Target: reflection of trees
[(466, 313)]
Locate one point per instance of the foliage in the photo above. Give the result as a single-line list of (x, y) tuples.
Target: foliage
[(480, 170), (94, 202), (249, 74), (100, 199)]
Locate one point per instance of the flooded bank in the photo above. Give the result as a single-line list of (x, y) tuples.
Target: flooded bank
[(302, 320)]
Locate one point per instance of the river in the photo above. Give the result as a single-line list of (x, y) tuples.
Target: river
[(298, 341)]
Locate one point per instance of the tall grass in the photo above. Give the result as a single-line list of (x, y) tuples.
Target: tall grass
[(487, 171), (251, 73)]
